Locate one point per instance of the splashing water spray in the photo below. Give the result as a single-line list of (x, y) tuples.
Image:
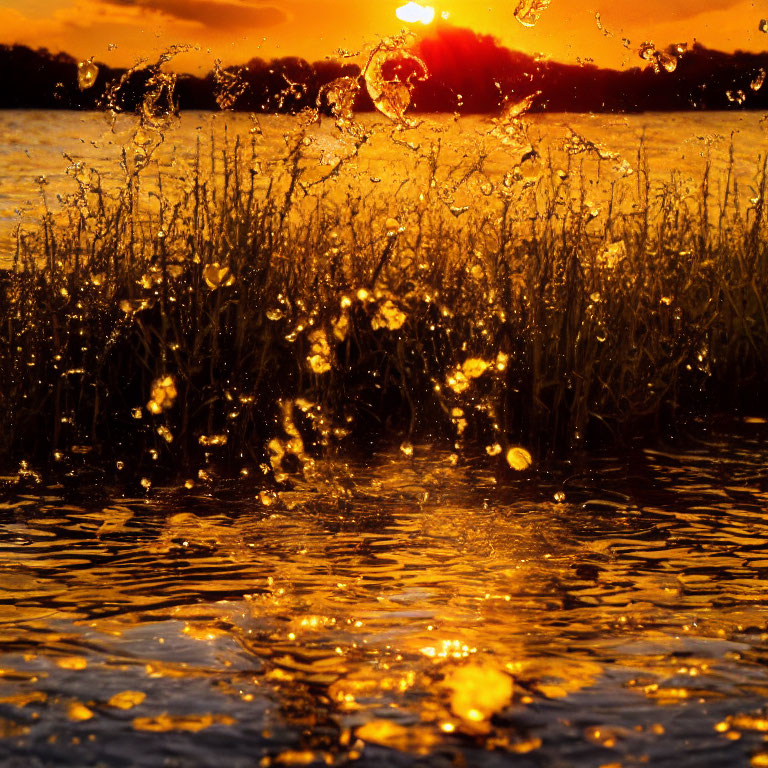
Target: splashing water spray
[(390, 94)]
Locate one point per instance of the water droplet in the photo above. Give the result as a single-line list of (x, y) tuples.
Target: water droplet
[(319, 357), (389, 316), (212, 440), (457, 381), (87, 72), (217, 276), (669, 63), (612, 254), (647, 51), (474, 367), (163, 395), (393, 227), (519, 458), (267, 498), (165, 433), (763, 25), (341, 327), (758, 80), (477, 271), (131, 307)]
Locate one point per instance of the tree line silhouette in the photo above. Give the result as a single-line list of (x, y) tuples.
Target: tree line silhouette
[(468, 73)]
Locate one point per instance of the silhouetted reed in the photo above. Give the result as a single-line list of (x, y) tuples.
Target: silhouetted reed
[(240, 324)]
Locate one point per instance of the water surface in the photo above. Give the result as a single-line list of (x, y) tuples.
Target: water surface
[(375, 617)]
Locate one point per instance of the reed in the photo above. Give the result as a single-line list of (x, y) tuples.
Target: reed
[(242, 323)]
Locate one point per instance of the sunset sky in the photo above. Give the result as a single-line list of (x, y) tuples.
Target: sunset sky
[(118, 32)]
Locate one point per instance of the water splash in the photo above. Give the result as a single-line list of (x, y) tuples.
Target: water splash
[(340, 95), (647, 51), (510, 127), (157, 108), (662, 60), (736, 96), (390, 75), (528, 12), (601, 26), (576, 144), (230, 84)]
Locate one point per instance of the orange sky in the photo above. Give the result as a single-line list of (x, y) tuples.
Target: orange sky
[(120, 31)]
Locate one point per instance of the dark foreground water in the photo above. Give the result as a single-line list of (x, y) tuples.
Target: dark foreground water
[(408, 613)]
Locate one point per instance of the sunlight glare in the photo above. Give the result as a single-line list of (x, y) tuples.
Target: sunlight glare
[(413, 13)]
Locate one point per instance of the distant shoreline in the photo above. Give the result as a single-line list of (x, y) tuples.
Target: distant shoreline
[(411, 113), (456, 70)]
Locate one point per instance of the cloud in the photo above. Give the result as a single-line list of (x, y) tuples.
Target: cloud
[(215, 14), (653, 12)]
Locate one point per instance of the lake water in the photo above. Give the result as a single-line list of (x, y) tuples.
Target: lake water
[(403, 610), (384, 618), (57, 148)]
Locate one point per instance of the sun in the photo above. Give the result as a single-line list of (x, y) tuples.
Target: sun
[(414, 13)]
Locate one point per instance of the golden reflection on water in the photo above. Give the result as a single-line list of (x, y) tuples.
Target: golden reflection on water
[(417, 606)]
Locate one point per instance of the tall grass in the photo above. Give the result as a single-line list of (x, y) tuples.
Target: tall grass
[(241, 324)]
